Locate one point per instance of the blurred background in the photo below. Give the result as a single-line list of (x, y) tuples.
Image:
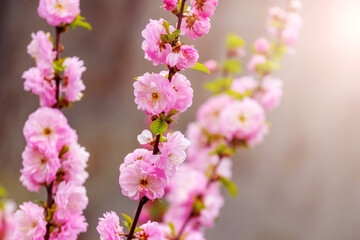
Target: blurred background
[(302, 182)]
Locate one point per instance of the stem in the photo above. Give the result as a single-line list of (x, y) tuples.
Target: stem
[(156, 146), (57, 74), (49, 203), (156, 150), (137, 215)]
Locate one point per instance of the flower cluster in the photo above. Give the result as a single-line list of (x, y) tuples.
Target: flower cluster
[(234, 118), (53, 158), (146, 172)]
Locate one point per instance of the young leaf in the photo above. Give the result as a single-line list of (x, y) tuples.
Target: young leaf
[(234, 41), (175, 34), (128, 221), (158, 126), (172, 229), (201, 67), (230, 186), (63, 150), (3, 192), (166, 26), (138, 230), (79, 21), (219, 86), (232, 66)]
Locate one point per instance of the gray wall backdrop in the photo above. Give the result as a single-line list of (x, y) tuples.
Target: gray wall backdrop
[(302, 183)]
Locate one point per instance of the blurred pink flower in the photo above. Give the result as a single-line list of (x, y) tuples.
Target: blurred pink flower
[(57, 12)]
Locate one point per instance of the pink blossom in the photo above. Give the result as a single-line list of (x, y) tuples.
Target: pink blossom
[(49, 126), (184, 92), (145, 137), (276, 19), (173, 152), (30, 223), (290, 36), (57, 12), (212, 65), (73, 87), (202, 160), (141, 179), (185, 185), (270, 92), (185, 57), (155, 49), (262, 45), (188, 57), (295, 5), (151, 231), (109, 227), (244, 84), (69, 228), (70, 200), (139, 154), (204, 8), (39, 83), (170, 4), (41, 49), (40, 164), (208, 113), (154, 94), (255, 61), (242, 119), (194, 25), (73, 164)]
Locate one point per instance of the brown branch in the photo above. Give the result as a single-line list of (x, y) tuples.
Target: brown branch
[(142, 202)]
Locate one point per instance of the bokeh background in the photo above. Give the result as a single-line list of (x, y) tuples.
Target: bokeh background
[(301, 183)]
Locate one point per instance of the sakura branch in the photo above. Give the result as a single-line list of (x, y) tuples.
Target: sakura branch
[(145, 173), (53, 158), (234, 118)]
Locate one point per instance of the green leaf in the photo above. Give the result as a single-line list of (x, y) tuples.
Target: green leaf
[(267, 67), (158, 126), (166, 26), (201, 67), (171, 113), (172, 229), (138, 230), (128, 221), (198, 206), (237, 95), (63, 150), (230, 186), (3, 192), (234, 41), (223, 150), (220, 85), (175, 34), (79, 21), (232, 66)]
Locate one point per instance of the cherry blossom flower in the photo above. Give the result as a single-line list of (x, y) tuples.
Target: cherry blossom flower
[(73, 87), (204, 8), (40, 84), (57, 12), (30, 223), (150, 231), (41, 49), (109, 227), (154, 94), (141, 179), (155, 49), (195, 25), (40, 166)]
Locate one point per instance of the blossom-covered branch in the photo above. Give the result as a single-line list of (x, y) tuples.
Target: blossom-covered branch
[(53, 158), (145, 173), (234, 118)]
